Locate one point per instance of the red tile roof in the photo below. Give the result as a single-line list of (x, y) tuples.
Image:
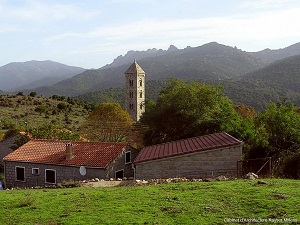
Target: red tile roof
[(90, 154), (190, 145)]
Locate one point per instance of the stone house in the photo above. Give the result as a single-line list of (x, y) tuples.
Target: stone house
[(198, 157), (49, 162)]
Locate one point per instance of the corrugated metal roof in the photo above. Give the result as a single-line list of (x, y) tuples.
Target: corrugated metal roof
[(190, 145), (92, 154)]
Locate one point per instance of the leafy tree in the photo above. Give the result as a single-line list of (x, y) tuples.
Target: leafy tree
[(245, 111), (281, 126), (50, 131), (12, 131), (108, 122), (188, 109)]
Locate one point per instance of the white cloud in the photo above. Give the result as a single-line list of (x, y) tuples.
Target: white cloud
[(268, 4), (258, 26), (38, 11)]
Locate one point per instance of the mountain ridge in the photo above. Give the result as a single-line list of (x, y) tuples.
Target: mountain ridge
[(17, 74), (207, 62)]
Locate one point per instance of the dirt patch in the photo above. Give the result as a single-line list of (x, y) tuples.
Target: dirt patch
[(106, 183)]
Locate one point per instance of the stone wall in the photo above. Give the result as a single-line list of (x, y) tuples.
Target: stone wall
[(204, 164), (64, 172)]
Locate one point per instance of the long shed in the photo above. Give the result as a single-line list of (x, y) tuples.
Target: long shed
[(197, 157)]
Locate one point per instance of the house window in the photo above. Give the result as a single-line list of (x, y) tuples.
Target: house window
[(127, 157), (35, 171), (20, 173), (120, 174), (50, 176)]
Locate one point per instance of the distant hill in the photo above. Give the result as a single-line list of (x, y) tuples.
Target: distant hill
[(277, 82), (270, 56), (20, 75), (208, 62), (281, 75), (153, 88)]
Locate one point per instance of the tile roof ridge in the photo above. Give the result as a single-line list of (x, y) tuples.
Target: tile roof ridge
[(72, 141)]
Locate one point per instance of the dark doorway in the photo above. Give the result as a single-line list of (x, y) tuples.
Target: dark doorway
[(50, 176), (120, 174)]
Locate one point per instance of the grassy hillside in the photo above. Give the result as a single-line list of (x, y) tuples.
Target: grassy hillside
[(153, 88), (35, 111), (174, 203)]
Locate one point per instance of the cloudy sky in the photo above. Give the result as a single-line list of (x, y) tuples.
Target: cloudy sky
[(91, 33)]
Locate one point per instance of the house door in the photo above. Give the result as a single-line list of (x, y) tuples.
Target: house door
[(120, 174)]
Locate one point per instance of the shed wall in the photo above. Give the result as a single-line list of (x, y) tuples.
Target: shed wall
[(195, 165)]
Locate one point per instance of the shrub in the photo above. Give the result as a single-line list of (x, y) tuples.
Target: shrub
[(68, 184), (32, 94), (291, 166)]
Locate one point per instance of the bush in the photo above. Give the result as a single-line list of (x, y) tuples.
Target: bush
[(32, 94), (291, 166), (68, 184), (41, 109)]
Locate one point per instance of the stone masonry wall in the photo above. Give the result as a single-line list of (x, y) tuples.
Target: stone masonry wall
[(64, 172), (195, 165), (119, 164)]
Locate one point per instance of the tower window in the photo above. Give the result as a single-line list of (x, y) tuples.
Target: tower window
[(141, 82), (141, 106), (141, 94), (131, 107), (131, 94), (130, 83)]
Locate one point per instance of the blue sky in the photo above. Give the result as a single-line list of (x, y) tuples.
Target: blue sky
[(91, 33)]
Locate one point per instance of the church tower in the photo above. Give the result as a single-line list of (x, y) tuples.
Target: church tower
[(135, 91)]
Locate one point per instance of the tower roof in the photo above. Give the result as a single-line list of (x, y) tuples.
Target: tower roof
[(135, 68)]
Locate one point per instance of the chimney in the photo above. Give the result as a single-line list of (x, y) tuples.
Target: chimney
[(69, 151)]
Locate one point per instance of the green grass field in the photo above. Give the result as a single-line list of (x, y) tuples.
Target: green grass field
[(174, 203)]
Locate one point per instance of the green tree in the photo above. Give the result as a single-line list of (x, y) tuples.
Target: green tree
[(189, 109), (108, 122), (50, 131), (281, 126)]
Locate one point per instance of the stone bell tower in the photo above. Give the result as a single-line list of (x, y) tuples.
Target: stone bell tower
[(135, 91)]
